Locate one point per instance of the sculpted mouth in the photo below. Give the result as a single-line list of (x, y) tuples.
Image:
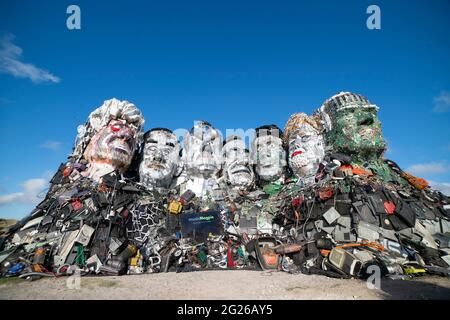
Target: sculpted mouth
[(241, 170), (156, 166), (367, 132), (296, 153), (121, 149)]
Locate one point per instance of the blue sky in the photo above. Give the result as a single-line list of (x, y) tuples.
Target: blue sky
[(237, 64)]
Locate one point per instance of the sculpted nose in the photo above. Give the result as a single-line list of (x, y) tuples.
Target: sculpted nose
[(207, 148), (158, 156), (123, 133)]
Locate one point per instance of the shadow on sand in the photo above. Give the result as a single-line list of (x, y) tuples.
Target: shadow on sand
[(414, 289)]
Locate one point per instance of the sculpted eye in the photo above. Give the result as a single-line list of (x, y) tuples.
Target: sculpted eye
[(305, 138), (170, 144)]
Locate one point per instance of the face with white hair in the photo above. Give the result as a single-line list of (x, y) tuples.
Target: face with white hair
[(109, 138), (160, 158), (113, 145), (237, 169), (202, 150)]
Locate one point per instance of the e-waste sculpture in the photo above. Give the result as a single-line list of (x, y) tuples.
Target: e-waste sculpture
[(319, 198)]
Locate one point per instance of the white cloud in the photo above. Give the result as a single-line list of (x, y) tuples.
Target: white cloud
[(51, 144), (10, 63), (443, 187), (428, 168), (442, 102), (30, 190)]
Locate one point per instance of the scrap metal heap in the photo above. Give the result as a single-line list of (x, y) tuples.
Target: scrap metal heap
[(317, 199)]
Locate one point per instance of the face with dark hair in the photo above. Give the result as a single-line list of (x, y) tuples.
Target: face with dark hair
[(268, 156), (160, 158), (237, 169), (202, 150), (114, 144)]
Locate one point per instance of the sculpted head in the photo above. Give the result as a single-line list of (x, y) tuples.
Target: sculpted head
[(303, 138), (160, 159), (237, 169), (111, 135), (352, 125), (268, 153), (202, 150)]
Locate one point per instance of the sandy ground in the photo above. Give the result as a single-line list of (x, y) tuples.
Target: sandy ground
[(223, 285)]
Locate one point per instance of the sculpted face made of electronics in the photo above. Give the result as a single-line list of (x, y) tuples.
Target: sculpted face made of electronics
[(117, 127), (353, 126), (268, 154), (237, 170), (114, 145), (202, 150), (160, 160), (306, 150)]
